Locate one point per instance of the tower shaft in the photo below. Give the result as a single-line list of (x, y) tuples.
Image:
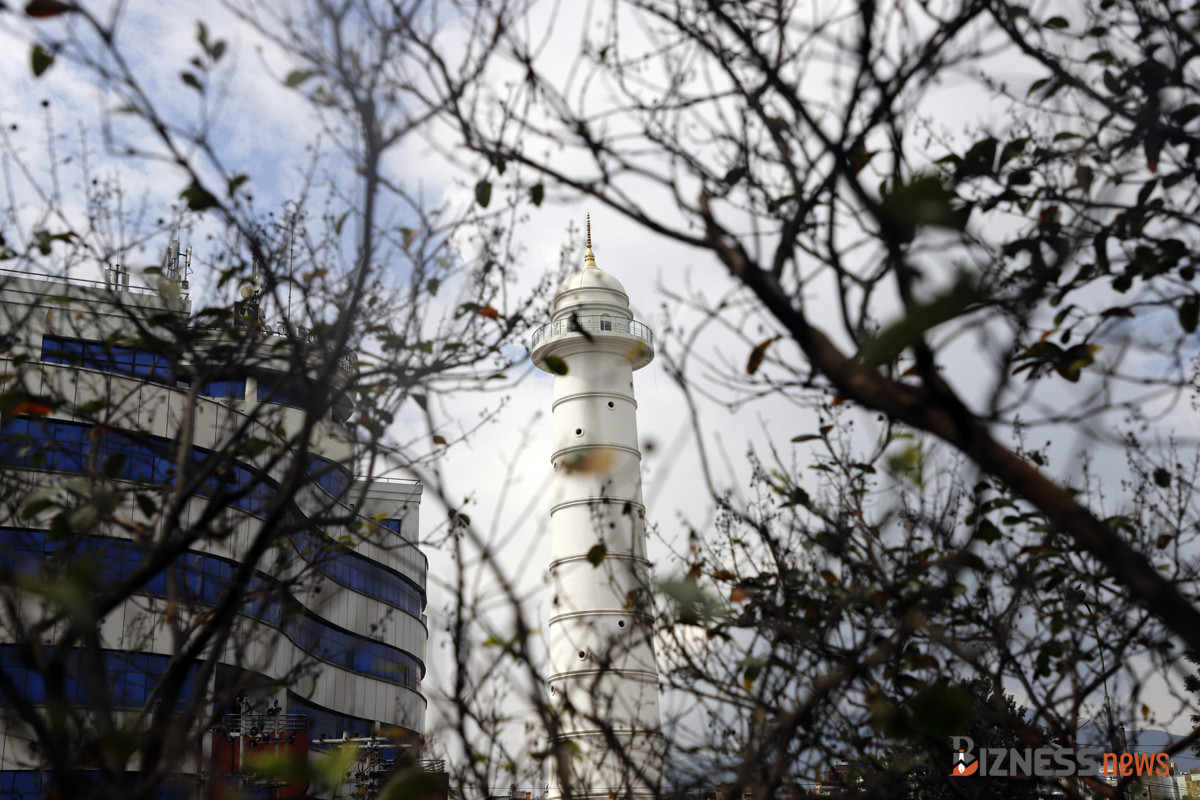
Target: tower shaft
[(603, 673)]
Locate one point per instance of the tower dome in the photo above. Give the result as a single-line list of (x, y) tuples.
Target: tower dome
[(591, 305)]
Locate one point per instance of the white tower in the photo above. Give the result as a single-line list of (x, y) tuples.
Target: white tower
[(603, 674)]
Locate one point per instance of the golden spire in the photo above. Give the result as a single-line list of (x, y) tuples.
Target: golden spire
[(589, 259)]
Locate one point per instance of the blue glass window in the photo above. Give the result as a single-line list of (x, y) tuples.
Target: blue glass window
[(286, 392), (227, 389), (131, 676), (330, 476), (43, 444), (330, 723), (30, 785), (107, 358)]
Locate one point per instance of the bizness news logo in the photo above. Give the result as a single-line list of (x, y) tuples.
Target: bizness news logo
[(1050, 762)]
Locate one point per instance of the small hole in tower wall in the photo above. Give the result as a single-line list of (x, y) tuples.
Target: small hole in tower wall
[(620, 623), (582, 655), (579, 431), (611, 404)]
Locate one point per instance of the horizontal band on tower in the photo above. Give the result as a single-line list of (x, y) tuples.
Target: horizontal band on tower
[(595, 446), (615, 395), (642, 560), (600, 612), (608, 501), (639, 675), (647, 732)]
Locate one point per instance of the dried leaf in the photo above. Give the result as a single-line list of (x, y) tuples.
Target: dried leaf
[(32, 408), (43, 9), (757, 355)]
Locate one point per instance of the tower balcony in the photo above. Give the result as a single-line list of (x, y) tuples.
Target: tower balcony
[(595, 328)]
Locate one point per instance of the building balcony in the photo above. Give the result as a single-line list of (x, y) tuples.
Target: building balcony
[(596, 327)]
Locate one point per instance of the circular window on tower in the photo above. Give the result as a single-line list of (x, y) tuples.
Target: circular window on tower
[(583, 655), (620, 623), (579, 431), (611, 404)]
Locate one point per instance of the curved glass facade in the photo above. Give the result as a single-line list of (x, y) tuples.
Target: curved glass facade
[(203, 578), (38, 443)]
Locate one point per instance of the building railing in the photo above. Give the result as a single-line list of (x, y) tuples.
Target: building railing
[(385, 479), (264, 724), (600, 324), (71, 280)]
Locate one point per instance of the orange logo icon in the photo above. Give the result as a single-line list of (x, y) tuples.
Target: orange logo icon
[(963, 765)]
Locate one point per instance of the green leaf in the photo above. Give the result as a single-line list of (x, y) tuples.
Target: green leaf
[(236, 181), (38, 501), (942, 710), (432, 285), (44, 239), (893, 340), (297, 77), (41, 60), (694, 604), (806, 437), (198, 198), (597, 554), (1162, 477), (1058, 23), (922, 201), (908, 463), (192, 81), (1189, 313), (483, 193), (337, 226), (979, 159), (556, 365), (217, 50), (1013, 149), (988, 532), (537, 194)]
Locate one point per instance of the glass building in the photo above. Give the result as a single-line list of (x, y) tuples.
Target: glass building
[(182, 528)]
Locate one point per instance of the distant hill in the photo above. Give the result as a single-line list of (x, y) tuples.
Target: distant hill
[(1147, 741)]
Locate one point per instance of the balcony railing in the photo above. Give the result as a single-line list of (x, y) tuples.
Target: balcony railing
[(589, 324)]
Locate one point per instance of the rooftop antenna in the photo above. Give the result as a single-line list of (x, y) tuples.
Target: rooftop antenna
[(177, 267), (291, 271), (248, 312)]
